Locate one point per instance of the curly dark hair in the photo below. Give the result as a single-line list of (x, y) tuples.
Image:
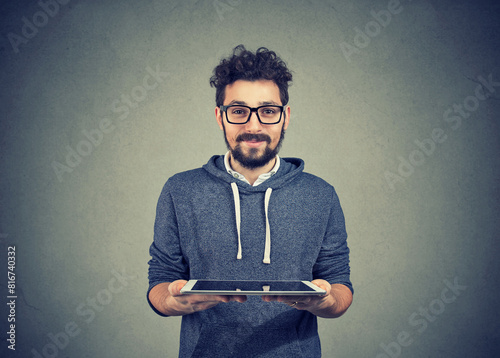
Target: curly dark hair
[(246, 65)]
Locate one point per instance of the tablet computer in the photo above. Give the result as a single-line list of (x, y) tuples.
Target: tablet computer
[(228, 287)]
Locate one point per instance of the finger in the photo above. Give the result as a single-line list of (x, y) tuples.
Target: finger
[(291, 299), (223, 298), (325, 285), (239, 298), (212, 298), (299, 301), (227, 298), (175, 287)]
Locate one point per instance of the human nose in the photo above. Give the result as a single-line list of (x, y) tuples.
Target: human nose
[(253, 123)]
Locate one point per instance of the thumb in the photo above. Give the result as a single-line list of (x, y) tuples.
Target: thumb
[(325, 285), (176, 286)]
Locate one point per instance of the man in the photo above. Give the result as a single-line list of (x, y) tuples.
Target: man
[(249, 215)]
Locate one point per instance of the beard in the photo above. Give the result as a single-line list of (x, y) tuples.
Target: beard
[(253, 160)]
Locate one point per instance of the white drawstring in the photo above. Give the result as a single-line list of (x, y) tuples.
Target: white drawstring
[(267, 248), (236, 197), (237, 210)]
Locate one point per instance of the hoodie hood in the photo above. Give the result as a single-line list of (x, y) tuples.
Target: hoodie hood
[(289, 169)]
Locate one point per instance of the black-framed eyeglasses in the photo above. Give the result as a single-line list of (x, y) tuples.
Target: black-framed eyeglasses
[(239, 114)]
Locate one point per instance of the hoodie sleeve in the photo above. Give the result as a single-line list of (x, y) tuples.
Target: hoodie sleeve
[(167, 262), (332, 264)]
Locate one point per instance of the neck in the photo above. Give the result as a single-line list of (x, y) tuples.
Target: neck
[(251, 174)]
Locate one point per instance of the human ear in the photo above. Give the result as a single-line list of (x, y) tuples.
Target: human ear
[(218, 117), (286, 113)]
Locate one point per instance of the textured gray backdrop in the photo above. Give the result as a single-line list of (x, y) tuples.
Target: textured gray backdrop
[(394, 103)]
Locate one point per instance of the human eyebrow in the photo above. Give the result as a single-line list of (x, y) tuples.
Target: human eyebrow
[(233, 102), (268, 103), (262, 103)]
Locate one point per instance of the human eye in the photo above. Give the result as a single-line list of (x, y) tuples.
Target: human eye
[(269, 111), (239, 111)]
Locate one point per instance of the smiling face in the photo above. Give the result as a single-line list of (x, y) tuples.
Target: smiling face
[(253, 144)]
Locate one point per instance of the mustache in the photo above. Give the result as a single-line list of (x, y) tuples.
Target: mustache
[(256, 137)]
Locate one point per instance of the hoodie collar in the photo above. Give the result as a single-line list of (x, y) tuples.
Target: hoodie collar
[(289, 169), (262, 178)]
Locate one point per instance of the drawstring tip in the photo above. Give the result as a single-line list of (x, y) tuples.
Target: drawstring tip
[(266, 261)]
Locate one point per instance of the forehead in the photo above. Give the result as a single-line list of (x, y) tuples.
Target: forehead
[(252, 92)]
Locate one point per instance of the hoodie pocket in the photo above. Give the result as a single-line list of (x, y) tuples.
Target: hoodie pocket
[(244, 341)]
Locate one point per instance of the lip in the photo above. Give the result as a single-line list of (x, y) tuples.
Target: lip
[(254, 144)]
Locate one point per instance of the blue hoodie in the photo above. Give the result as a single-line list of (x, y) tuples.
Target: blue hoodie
[(212, 226)]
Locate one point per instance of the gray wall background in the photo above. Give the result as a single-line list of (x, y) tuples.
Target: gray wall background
[(413, 231)]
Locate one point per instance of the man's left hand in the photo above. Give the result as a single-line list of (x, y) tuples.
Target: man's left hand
[(309, 303)]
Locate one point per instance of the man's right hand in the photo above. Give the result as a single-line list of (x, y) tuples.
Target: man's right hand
[(168, 299)]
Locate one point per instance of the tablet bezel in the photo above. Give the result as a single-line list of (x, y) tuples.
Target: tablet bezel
[(188, 289)]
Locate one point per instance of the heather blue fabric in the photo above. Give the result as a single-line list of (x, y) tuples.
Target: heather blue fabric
[(195, 238)]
